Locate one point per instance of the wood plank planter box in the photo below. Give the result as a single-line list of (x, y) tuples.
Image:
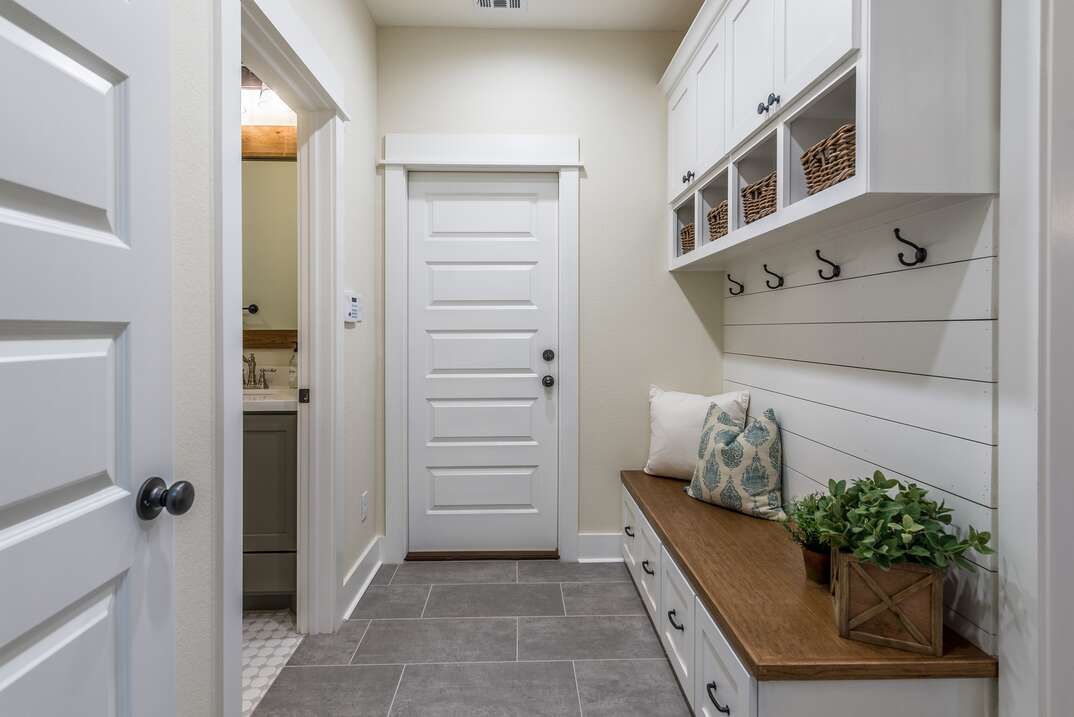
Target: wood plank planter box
[(901, 607)]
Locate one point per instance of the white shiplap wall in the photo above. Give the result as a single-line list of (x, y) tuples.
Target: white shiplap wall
[(885, 368)]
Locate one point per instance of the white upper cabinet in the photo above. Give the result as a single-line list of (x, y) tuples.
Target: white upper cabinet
[(682, 138), (751, 59), (710, 82), (811, 37)]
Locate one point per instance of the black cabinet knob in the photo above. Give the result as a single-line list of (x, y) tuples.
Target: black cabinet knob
[(773, 99), (761, 108), (690, 175), (548, 382), (548, 354), (155, 496)]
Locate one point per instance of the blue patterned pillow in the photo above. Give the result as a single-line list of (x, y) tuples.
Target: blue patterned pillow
[(740, 464)]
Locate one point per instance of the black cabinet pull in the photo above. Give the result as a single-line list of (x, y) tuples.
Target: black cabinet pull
[(711, 689), (690, 175), (629, 531), (684, 179), (678, 626), (773, 99), (646, 568), (761, 108)]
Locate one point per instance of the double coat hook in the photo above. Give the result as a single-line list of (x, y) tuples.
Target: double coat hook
[(835, 268), (920, 253), (768, 282), (740, 285)]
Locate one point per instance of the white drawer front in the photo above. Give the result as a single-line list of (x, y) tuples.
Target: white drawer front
[(649, 560), (676, 623), (629, 535), (721, 679)]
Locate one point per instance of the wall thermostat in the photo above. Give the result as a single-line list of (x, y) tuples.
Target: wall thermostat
[(352, 307)]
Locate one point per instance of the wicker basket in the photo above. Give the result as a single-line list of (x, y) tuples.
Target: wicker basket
[(686, 238), (717, 217), (759, 199), (831, 160)]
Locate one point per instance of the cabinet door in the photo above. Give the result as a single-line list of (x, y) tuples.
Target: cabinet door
[(682, 136), (649, 570), (630, 534), (269, 482), (750, 25), (721, 682), (710, 83), (811, 37), (676, 626)]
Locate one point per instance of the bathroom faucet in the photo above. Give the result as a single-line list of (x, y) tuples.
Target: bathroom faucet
[(250, 379)]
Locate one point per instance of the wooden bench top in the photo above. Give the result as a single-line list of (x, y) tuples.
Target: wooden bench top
[(750, 577)]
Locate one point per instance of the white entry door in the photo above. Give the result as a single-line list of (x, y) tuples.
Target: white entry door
[(482, 427), (87, 620)]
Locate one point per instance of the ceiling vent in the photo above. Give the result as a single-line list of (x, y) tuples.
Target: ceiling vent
[(501, 4)]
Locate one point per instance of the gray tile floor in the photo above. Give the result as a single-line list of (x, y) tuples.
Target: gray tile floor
[(485, 638)]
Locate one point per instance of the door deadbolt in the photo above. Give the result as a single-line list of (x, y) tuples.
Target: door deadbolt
[(548, 354)]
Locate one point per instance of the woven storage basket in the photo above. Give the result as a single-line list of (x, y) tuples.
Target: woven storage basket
[(759, 199), (686, 238), (717, 217), (831, 160)]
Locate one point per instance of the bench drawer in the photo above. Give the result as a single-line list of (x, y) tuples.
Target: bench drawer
[(721, 680), (649, 561), (676, 624), (629, 536)]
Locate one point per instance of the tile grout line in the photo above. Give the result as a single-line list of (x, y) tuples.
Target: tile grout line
[(426, 605), (518, 626), (393, 574), (577, 689), (360, 641), (395, 694), (563, 599), (541, 660)]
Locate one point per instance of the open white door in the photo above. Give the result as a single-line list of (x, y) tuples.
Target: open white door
[(87, 625)]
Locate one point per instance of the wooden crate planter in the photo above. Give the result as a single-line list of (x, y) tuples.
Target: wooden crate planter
[(901, 607)]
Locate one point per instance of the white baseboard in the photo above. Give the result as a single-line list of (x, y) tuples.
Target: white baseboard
[(359, 577), (599, 548)]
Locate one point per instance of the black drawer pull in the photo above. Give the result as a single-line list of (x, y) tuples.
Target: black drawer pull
[(711, 689), (671, 619), (646, 568), (629, 531)]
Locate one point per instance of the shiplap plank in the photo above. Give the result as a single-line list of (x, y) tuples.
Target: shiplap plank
[(821, 463), (951, 349), (977, 635), (959, 291), (958, 408), (953, 233), (970, 595), (958, 466)]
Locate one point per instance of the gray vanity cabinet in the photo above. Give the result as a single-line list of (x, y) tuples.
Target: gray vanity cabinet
[(270, 503)]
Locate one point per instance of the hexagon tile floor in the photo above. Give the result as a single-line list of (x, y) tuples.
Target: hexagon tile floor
[(268, 641)]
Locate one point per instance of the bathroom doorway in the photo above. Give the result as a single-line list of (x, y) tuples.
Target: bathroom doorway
[(270, 381)]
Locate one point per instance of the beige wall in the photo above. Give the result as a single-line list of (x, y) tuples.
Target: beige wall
[(639, 324), (270, 243), (347, 34)]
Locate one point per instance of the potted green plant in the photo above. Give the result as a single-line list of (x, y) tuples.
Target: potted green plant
[(803, 528), (891, 546)]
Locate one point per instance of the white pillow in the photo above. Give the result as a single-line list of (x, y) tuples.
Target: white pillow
[(676, 422)]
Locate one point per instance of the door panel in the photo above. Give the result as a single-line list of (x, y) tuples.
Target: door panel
[(750, 47), (811, 37), (711, 83), (482, 430), (682, 136), (85, 359)]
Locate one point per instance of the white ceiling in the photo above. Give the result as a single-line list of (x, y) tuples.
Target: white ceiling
[(540, 15)]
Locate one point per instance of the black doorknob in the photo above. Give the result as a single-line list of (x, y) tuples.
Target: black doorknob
[(155, 496), (548, 382), (548, 354)]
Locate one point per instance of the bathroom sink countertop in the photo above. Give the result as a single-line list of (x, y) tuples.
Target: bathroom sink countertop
[(259, 400)]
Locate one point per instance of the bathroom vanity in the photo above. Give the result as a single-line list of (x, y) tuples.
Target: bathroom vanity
[(269, 478)]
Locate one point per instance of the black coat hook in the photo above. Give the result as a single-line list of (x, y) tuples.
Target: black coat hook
[(920, 253), (835, 268), (741, 287), (768, 282)]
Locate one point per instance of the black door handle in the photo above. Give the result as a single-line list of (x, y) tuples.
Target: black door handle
[(646, 568), (548, 354), (671, 618), (548, 382), (155, 496), (629, 531), (711, 689)]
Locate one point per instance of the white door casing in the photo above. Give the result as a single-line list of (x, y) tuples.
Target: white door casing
[(483, 308), (88, 620)]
